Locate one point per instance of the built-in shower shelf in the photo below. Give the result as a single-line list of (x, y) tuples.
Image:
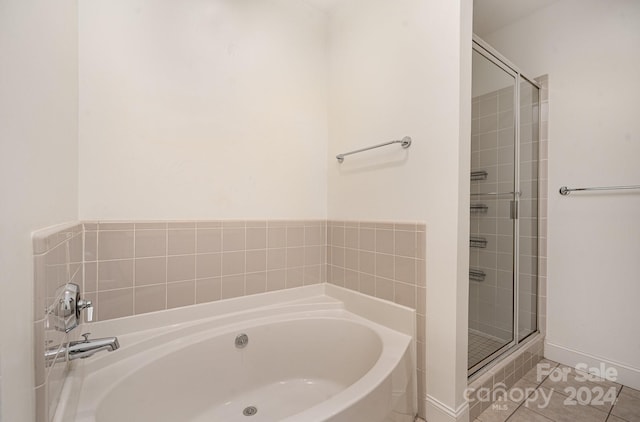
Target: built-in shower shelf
[(479, 175), (476, 275), (479, 208), (477, 242)]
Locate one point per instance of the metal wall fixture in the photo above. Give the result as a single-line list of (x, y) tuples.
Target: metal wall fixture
[(479, 175), (476, 275), (477, 242), (405, 142), (496, 193), (477, 208), (566, 191)]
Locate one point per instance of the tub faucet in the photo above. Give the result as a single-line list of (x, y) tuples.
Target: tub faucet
[(83, 348)]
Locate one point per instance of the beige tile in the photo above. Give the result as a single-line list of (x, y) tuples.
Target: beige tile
[(525, 415), (160, 225), (367, 262), (295, 257), (351, 237), (613, 418), (421, 300), (294, 277), (39, 287), (557, 409), (313, 236), (150, 298), (90, 277), (352, 280), (256, 238), (384, 266), (232, 286), (313, 255), (256, 260), (405, 269), (42, 404), (337, 275), (151, 243), (181, 224), (627, 407), (276, 237), (630, 392), (115, 226), (256, 283), (208, 289), (208, 240), (351, 259), (312, 274), (115, 274), (295, 236), (256, 224), (233, 239), (384, 289), (150, 271), (563, 376), (115, 304), (180, 268), (233, 263), (181, 294), (115, 244), (208, 265), (91, 246), (38, 356), (233, 224), (276, 259), (405, 243), (367, 284), (337, 236), (181, 241), (276, 280), (337, 256), (367, 238), (405, 294), (384, 241)]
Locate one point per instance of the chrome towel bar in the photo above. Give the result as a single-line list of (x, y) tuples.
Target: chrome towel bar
[(405, 142), (566, 191), (476, 275)]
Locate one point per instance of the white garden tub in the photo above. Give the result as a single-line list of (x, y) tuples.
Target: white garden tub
[(308, 358)]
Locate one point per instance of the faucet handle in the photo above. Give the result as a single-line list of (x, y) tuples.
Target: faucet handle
[(86, 305), (86, 336)]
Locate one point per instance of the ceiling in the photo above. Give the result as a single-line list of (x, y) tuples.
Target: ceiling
[(491, 15)]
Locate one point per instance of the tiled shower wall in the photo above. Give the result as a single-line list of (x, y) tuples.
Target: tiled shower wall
[(492, 150), (134, 268), (384, 260), (57, 261)]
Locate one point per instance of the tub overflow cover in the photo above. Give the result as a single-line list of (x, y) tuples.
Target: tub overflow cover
[(241, 341)]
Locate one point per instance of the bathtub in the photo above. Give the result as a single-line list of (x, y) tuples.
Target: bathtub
[(316, 353)]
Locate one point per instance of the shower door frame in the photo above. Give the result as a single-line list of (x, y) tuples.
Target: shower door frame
[(481, 47)]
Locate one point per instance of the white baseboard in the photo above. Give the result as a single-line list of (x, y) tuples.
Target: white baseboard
[(627, 375), (436, 411)]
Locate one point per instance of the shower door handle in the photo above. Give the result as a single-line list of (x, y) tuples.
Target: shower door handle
[(513, 209)]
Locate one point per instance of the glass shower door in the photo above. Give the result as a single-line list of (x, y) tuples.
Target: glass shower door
[(492, 213)]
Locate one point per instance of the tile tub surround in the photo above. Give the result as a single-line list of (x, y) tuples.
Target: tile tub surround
[(132, 268), (57, 260), (385, 260)]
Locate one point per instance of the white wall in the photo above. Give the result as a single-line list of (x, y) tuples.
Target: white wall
[(202, 109), (591, 51), (404, 68), (38, 168)]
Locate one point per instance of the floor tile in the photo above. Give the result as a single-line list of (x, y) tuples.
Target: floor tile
[(525, 415), (627, 407), (612, 418), (499, 411), (630, 392), (557, 410), (539, 372)]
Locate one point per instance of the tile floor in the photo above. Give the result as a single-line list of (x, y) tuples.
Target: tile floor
[(480, 347), (556, 393)]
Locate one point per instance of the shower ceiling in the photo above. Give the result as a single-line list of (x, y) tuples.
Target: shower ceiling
[(491, 15)]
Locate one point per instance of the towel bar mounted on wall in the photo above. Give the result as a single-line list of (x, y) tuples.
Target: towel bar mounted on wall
[(564, 191), (405, 142)]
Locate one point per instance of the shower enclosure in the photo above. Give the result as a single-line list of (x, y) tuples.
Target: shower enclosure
[(503, 259)]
